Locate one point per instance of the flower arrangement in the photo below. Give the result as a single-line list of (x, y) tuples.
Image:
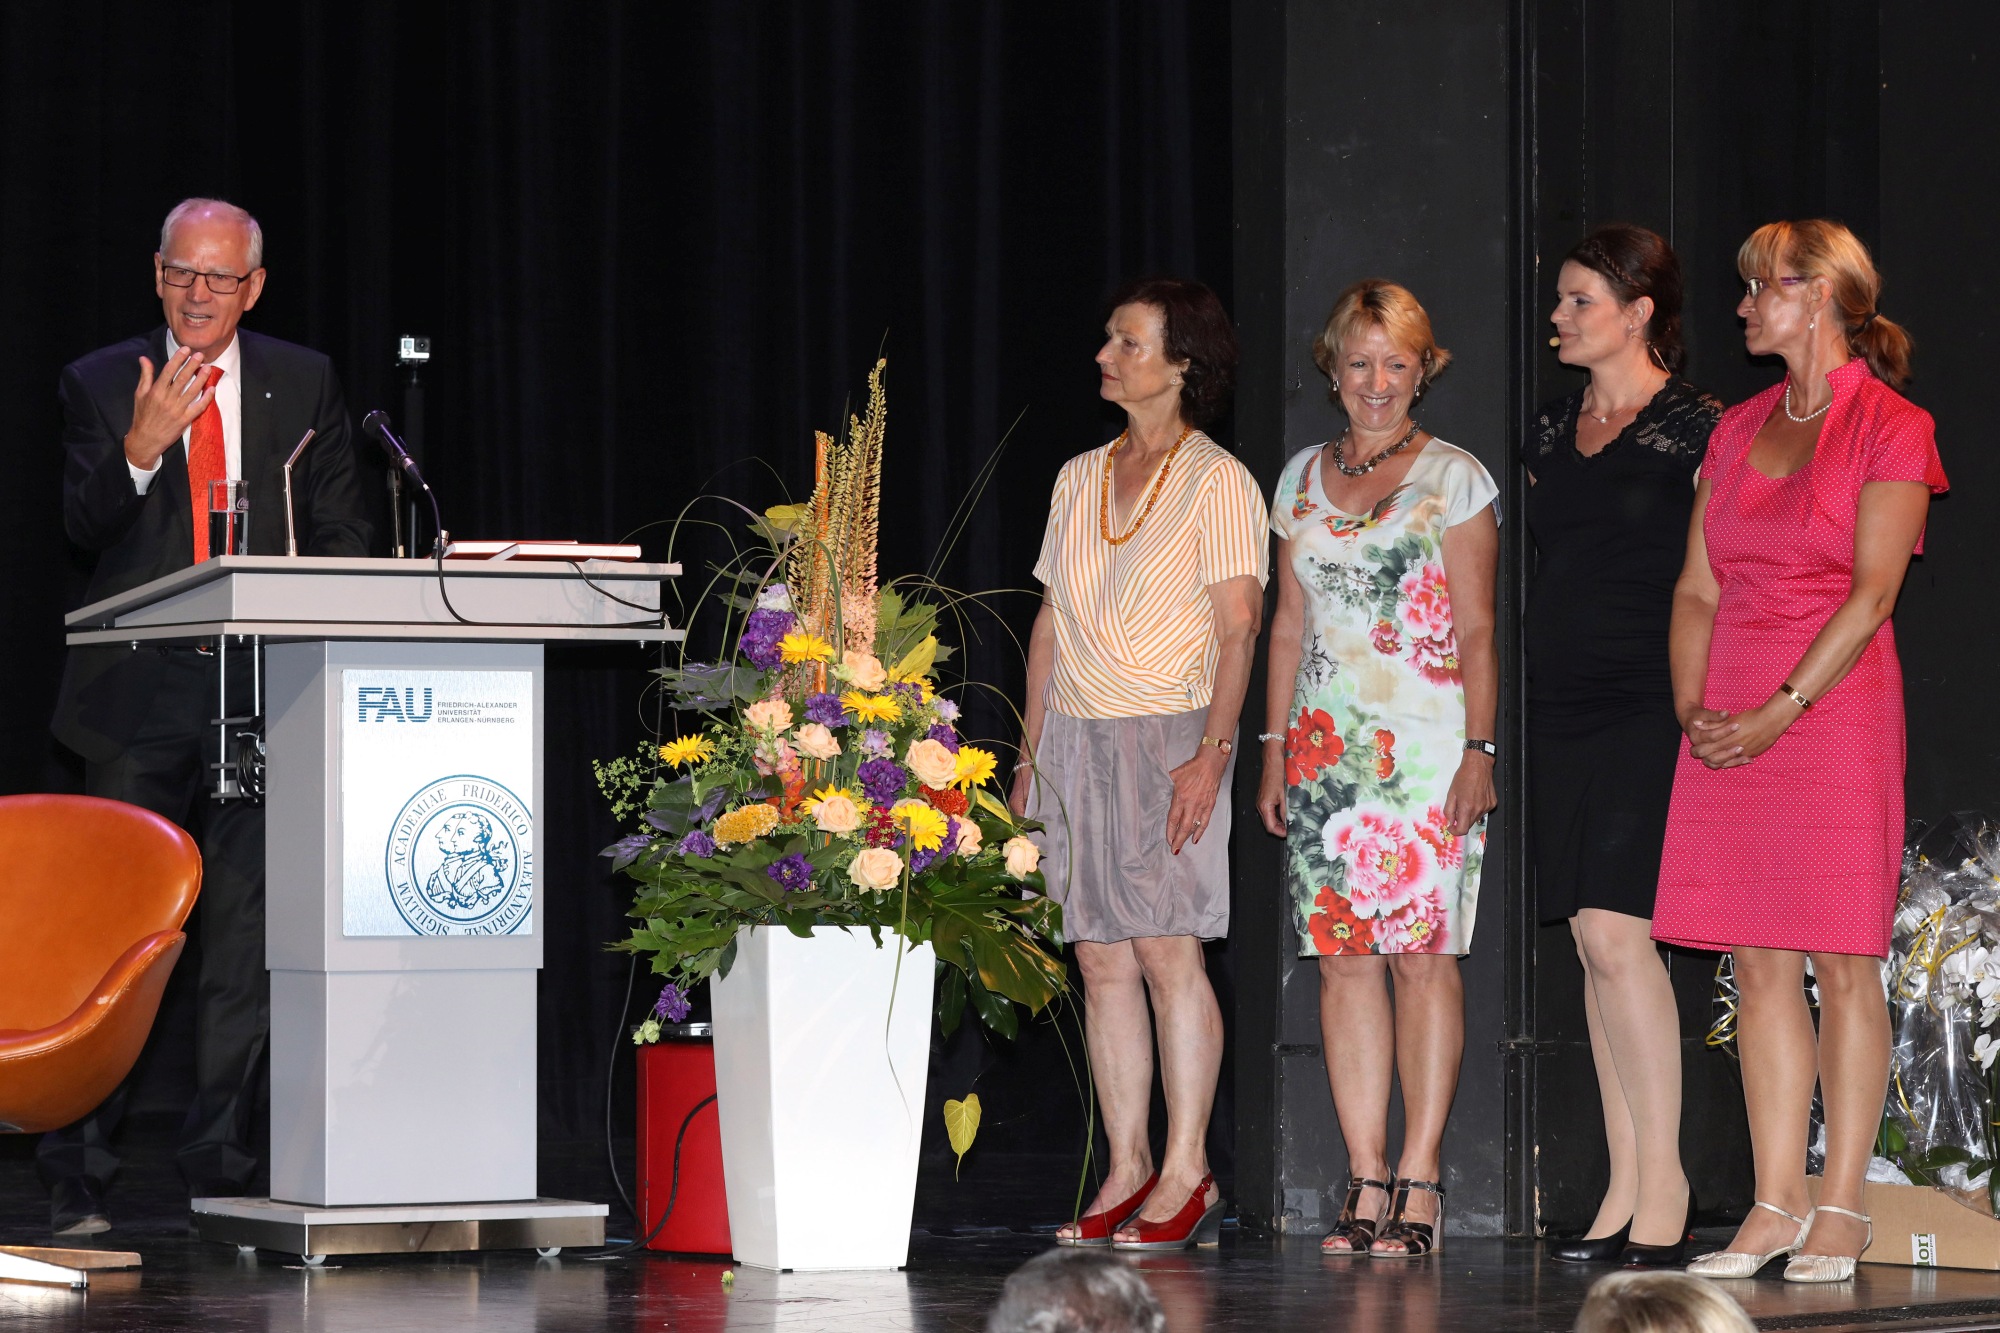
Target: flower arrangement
[(1944, 1004), (830, 785)]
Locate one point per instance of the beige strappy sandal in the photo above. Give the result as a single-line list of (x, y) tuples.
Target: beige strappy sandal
[(1828, 1267), (1741, 1263)]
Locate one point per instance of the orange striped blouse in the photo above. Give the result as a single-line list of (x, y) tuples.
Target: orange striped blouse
[(1135, 631)]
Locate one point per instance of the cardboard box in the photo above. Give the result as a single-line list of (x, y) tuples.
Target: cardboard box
[(1917, 1226)]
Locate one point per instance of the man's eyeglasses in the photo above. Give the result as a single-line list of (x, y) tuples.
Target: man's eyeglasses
[(222, 284), (1751, 286)]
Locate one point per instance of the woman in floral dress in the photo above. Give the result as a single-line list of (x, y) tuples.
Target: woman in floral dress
[(1378, 753)]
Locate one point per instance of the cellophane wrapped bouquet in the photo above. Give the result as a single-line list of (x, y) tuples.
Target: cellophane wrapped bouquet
[(1944, 1004), (824, 781)]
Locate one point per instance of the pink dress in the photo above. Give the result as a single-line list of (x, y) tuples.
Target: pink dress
[(1802, 848)]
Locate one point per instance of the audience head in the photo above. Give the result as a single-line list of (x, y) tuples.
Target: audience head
[(1076, 1291), (1641, 275), (207, 244), (1378, 351), (1841, 285), (1194, 340), (1660, 1303)]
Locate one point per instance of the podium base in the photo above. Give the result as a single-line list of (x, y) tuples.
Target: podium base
[(543, 1225)]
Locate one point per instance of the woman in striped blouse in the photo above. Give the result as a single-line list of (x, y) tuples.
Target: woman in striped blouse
[(1154, 563)]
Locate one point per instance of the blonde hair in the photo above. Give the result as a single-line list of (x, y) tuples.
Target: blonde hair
[(1819, 248), (1660, 1303), (1388, 306)]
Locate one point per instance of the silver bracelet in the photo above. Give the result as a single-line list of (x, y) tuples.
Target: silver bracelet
[(1270, 736)]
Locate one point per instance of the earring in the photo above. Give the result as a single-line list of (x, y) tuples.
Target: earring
[(1812, 323)]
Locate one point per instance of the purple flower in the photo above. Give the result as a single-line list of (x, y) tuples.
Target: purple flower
[(672, 1005), (920, 861), (794, 873), (946, 709), (825, 709), (911, 693), (875, 741), (761, 633), (883, 780), (944, 736), (696, 843)]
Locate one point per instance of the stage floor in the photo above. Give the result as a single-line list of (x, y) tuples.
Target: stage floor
[(1250, 1283)]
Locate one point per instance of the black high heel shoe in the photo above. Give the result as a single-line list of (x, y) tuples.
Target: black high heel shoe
[(1590, 1250), (1663, 1256)]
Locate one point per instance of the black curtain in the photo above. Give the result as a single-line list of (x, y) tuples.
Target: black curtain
[(655, 246)]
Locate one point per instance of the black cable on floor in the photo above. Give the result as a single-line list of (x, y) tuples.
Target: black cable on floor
[(673, 1192)]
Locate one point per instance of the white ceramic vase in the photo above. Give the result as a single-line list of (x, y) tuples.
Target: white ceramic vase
[(820, 1093)]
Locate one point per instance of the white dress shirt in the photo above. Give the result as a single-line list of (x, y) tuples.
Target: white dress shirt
[(228, 401)]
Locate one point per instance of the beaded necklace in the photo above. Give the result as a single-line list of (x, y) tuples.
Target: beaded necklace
[(1152, 497)]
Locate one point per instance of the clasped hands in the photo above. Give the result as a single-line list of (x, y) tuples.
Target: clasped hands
[(1722, 739), (164, 406)]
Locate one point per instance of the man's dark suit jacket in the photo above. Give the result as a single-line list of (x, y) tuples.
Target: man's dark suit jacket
[(106, 691)]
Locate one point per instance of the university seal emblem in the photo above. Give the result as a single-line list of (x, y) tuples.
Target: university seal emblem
[(460, 858)]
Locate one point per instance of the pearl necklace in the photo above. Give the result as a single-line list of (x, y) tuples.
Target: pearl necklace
[(1152, 498), (1795, 417), (1363, 469)]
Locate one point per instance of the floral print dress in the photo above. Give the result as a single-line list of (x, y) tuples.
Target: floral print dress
[(1378, 714)]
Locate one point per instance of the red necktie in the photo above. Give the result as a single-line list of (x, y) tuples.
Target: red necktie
[(207, 461)]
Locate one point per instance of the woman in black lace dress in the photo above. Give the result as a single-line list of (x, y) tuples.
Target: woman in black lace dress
[(1613, 467)]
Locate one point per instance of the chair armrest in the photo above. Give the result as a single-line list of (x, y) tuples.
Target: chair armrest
[(55, 1075)]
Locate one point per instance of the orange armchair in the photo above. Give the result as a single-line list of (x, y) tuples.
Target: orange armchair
[(93, 894)]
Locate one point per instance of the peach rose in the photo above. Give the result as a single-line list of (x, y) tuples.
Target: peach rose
[(816, 742), (864, 670), (768, 715), (934, 765), (969, 836), (875, 868), (837, 814), (1023, 857)]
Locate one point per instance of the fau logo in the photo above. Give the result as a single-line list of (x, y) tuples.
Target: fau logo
[(384, 703)]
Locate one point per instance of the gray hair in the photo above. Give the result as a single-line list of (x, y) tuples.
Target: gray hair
[(1076, 1291), (1660, 1303), (187, 208)]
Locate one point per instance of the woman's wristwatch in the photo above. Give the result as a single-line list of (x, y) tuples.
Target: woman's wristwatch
[(1487, 748), (1225, 745)]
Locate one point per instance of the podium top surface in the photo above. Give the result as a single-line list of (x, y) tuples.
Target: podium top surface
[(331, 597)]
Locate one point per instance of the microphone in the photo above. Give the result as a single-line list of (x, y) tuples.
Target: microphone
[(1553, 342), (376, 423)]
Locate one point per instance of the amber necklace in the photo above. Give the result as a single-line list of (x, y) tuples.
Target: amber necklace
[(1152, 497)]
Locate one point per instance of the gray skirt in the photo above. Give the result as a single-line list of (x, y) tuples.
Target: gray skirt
[(1103, 787)]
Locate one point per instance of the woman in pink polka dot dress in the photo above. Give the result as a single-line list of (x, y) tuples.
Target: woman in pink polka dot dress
[(1784, 837)]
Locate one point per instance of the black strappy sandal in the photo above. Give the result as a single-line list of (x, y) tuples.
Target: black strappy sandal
[(1359, 1232), (1417, 1238)]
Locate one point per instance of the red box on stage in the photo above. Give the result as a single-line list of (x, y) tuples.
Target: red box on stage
[(675, 1074)]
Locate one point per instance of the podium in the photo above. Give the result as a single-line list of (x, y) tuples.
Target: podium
[(400, 768)]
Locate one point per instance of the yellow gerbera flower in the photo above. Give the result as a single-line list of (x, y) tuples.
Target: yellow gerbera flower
[(975, 766), (744, 823), (805, 648), (924, 822), (687, 750), (871, 707)]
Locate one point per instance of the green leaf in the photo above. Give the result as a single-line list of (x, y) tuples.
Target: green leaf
[(951, 996), (993, 1010)]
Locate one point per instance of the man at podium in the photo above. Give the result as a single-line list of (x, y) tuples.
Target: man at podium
[(148, 424)]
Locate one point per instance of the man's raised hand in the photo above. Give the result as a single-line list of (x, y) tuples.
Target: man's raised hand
[(163, 407)]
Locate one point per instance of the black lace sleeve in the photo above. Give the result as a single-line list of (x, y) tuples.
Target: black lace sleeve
[(1677, 424), (1551, 428)]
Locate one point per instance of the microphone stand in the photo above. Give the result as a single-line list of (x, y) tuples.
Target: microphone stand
[(291, 523)]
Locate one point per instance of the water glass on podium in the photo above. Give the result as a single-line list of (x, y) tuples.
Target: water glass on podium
[(228, 518)]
